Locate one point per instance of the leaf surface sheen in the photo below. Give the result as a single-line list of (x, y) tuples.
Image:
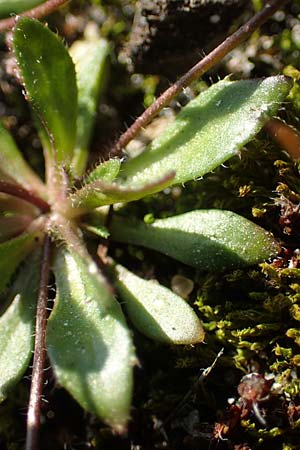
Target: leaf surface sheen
[(207, 239), (48, 75), (89, 344), (209, 130), (17, 326), (156, 311)]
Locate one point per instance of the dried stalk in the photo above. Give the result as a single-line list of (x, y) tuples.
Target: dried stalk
[(33, 415), (197, 71), (36, 13)]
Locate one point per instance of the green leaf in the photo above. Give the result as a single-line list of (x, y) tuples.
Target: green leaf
[(17, 326), (90, 58), (89, 344), (9, 7), (12, 252), (99, 193), (98, 230), (207, 239), (95, 223), (156, 311), (48, 75), (106, 171), (13, 164), (209, 130)]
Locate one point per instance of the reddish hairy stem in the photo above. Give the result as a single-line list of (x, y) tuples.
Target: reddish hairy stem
[(33, 415), (37, 13), (18, 191), (197, 71)]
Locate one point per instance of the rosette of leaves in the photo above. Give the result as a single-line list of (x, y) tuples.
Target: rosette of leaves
[(88, 341)]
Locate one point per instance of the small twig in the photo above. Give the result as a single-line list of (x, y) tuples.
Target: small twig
[(197, 71), (18, 191), (36, 13), (206, 372), (200, 381), (33, 415)]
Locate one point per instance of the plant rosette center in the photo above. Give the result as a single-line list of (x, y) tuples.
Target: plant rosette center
[(88, 340)]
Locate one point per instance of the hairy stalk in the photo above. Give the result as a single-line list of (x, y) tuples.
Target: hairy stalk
[(197, 71), (37, 13), (68, 232), (33, 416), (18, 191)]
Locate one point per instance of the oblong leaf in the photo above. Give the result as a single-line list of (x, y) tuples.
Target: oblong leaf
[(208, 239), (12, 252), (17, 326), (13, 164), (48, 75), (90, 57), (99, 193), (156, 311), (8, 7), (209, 130), (89, 344)]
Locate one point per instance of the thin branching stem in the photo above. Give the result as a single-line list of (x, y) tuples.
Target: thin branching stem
[(33, 415), (197, 71), (18, 191), (37, 13)]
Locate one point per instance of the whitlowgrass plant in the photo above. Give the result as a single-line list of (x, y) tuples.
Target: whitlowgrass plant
[(46, 224)]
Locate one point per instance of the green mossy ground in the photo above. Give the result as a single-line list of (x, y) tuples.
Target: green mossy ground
[(252, 314)]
